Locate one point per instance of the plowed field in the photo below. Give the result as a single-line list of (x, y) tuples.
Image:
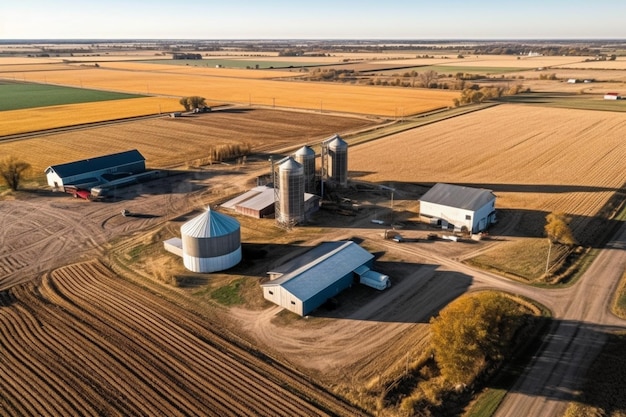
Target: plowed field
[(169, 141), (81, 342)]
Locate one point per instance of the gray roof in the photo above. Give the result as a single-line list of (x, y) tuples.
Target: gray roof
[(310, 273), (458, 196), (210, 224), (96, 164), (257, 198), (305, 151)]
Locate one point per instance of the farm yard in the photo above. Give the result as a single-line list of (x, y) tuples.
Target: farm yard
[(98, 318)]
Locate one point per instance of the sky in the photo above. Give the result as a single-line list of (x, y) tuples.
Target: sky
[(313, 19)]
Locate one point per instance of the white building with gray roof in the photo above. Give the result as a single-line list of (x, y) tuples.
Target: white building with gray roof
[(456, 206)]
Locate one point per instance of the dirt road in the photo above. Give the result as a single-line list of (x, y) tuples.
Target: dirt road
[(582, 322)]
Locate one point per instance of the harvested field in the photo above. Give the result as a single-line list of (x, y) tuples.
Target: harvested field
[(191, 136), (537, 160), (98, 346), (42, 118), (326, 97)]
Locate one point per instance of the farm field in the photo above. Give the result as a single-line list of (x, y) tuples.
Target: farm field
[(154, 360), (15, 96), (548, 160), (167, 141), (203, 67), (329, 97), (51, 117)]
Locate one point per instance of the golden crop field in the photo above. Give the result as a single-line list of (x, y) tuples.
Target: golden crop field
[(535, 159), (18, 69), (20, 60), (327, 97), (41, 118)]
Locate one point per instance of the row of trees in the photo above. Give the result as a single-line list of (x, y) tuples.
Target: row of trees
[(476, 94)]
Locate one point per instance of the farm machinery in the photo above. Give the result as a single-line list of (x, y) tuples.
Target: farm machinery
[(79, 192)]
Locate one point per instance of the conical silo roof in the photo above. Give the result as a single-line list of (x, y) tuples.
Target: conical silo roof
[(337, 143), (210, 224), (305, 151), (291, 164)]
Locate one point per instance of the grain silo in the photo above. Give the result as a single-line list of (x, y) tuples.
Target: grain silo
[(305, 156), (336, 160), (289, 192), (211, 242)]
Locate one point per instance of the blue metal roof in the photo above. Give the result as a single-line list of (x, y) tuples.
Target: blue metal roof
[(458, 196), (96, 164), (321, 267)]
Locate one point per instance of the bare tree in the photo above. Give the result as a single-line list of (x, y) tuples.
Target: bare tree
[(428, 77), (12, 171)]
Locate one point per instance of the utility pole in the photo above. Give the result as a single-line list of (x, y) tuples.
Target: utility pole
[(548, 260)]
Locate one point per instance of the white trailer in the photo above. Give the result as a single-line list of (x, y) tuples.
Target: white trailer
[(372, 279)]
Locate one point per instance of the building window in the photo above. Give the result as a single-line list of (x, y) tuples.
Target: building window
[(468, 217), (271, 292), (293, 302)]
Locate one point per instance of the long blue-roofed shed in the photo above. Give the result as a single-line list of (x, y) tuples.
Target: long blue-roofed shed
[(89, 172), (308, 281)]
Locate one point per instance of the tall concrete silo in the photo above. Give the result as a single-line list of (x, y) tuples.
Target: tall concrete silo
[(211, 242), (336, 160), (289, 188), (305, 156)]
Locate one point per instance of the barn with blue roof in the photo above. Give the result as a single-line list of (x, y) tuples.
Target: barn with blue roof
[(90, 172), (308, 281)]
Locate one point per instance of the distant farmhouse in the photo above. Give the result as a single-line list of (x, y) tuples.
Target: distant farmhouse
[(455, 206), (308, 281), (90, 172)]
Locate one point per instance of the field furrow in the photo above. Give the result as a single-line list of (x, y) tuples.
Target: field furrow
[(155, 329), (98, 345)]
